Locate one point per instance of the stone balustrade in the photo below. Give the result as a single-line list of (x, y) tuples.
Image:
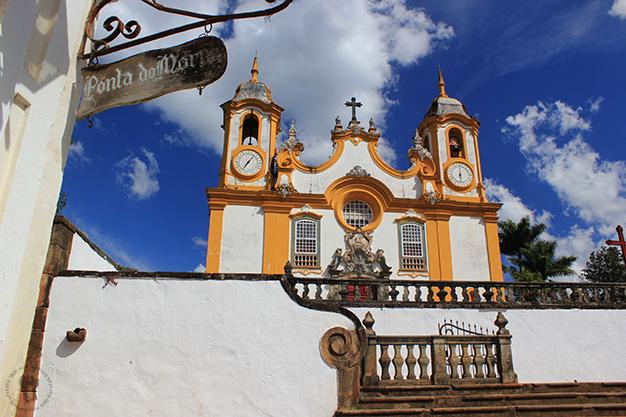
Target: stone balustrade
[(356, 292), (437, 359)]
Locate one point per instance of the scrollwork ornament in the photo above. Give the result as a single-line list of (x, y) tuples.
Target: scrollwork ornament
[(116, 26), (340, 348)]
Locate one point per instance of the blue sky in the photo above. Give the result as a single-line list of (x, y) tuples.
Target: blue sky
[(546, 80)]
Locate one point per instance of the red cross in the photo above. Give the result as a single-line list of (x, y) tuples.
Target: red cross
[(620, 242)]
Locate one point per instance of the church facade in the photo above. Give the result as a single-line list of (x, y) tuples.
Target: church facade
[(429, 222)]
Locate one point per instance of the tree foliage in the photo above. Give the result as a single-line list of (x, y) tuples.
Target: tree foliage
[(61, 202), (532, 258), (605, 265)]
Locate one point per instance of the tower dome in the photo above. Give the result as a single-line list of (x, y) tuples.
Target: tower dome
[(253, 88), (443, 104)]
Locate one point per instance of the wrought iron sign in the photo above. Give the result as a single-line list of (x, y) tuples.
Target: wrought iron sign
[(131, 29)]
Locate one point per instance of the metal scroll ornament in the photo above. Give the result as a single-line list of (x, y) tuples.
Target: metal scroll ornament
[(131, 29)]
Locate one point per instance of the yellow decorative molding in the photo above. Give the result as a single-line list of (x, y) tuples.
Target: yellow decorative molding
[(412, 274), (306, 272), (366, 189), (339, 148)]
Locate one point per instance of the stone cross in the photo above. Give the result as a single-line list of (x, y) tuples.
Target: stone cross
[(354, 104), (620, 242)]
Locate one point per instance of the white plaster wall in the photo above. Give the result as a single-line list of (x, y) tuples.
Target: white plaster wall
[(84, 258), (468, 244), (31, 189), (352, 156), (185, 348), (243, 348), (242, 240)]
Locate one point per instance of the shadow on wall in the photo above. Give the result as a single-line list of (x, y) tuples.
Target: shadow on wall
[(66, 348)]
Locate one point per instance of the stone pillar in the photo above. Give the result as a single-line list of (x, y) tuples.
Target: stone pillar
[(57, 260)]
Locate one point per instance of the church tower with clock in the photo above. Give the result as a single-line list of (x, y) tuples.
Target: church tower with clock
[(251, 124), (429, 222)]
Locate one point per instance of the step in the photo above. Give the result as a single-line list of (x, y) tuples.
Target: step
[(477, 389), (564, 410), (444, 401)]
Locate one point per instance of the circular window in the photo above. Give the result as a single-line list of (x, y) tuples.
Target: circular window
[(357, 213)]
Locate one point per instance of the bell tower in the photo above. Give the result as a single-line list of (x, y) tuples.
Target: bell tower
[(451, 135), (251, 124)]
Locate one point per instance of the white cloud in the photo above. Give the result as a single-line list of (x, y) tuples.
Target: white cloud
[(200, 268), (618, 9), (137, 177), (588, 187), (313, 69), (578, 242), (77, 152), (512, 206), (595, 104), (198, 241)]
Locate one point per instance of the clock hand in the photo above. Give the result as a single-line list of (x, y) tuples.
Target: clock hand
[(251, 158)]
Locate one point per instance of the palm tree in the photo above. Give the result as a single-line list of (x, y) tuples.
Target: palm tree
[(533, 259), (540, 258)]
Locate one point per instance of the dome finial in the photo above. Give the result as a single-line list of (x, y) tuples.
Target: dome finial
[(440, 84), (254, 71)]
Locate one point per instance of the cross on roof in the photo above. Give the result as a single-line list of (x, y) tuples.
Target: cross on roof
[(621, 242), (354, 104)]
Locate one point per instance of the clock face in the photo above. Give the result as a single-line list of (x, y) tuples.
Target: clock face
[(248, 162), (460, 174)]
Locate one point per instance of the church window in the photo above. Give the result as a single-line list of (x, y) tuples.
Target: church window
[(357, 213), (455, 140), (412, 248), (250, 130), (305, 243)]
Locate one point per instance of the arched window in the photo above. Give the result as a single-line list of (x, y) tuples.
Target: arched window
[(305, 243), (455, 140), (357, 213), (250, 130), (412, 246)]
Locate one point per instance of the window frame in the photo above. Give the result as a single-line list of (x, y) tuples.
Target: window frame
[(402, 257), (294, 237)]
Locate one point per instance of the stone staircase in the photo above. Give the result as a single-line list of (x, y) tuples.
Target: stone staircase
[(506, 400)]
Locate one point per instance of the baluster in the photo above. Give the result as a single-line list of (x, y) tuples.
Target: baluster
[(479, 360), (443, 295), (418, 293), (453, 361), (410, 362), (477, 297), (305, 293), (398, 360), (488, 294), (343, 292), (357, 292), (465, 294), (491, 361), (453, 294), (466, 361), (430, 294), (423, 362), (393, 293), (405, 293), (384, 361), (318, 292), (368, 293)]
